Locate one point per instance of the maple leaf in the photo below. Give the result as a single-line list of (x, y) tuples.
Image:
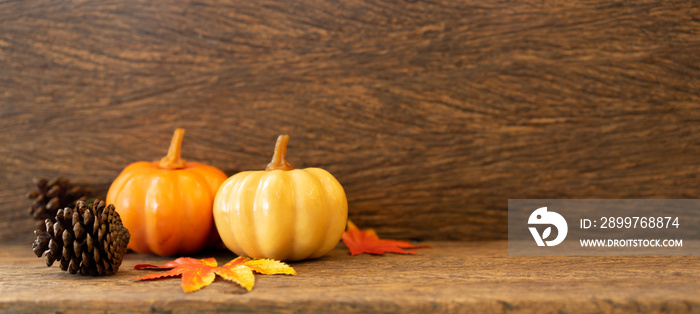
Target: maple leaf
[(197, 274), (367, 241)]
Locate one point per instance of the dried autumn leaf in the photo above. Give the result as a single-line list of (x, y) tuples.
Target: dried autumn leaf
[(237, 272), (367, 241), (178, 262), (270, 267), (195, 273), (200, 273)]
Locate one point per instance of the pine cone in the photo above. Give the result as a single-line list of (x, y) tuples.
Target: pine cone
[(52, 195), (87, 239)]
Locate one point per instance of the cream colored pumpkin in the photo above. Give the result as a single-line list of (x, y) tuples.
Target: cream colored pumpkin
[(281, 213)]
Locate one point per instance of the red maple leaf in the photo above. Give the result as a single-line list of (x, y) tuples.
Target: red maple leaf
[(367, 241)]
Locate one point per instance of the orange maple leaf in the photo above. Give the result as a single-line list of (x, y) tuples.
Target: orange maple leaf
[(367, 241), (201, 273)]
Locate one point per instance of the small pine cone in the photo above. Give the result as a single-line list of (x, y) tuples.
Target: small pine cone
[(87, 239), (49, 196)]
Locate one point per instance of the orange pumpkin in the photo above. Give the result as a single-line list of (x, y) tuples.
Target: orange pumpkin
[(167, 204)]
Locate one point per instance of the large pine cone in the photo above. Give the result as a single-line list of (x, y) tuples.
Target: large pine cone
[(49, 196), (87, 239)]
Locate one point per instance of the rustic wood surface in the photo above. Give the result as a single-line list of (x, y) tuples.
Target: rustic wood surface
[(474, 277), (430, 113)]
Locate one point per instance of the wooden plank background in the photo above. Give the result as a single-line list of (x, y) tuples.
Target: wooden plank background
[(430, 113)]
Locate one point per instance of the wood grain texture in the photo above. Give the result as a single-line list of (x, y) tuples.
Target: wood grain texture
[(454, 277), (430, 113)]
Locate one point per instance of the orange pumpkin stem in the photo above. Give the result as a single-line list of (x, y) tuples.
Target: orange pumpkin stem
[(173, 160), (278, 159)]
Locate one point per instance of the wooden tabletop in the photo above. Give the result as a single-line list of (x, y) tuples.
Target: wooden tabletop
[(450, 277)]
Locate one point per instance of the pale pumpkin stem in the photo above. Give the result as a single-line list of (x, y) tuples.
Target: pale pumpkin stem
[(173, 159), (278, 159)]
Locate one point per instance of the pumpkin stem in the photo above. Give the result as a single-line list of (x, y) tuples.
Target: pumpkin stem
[(173, 159), (278, 162)]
